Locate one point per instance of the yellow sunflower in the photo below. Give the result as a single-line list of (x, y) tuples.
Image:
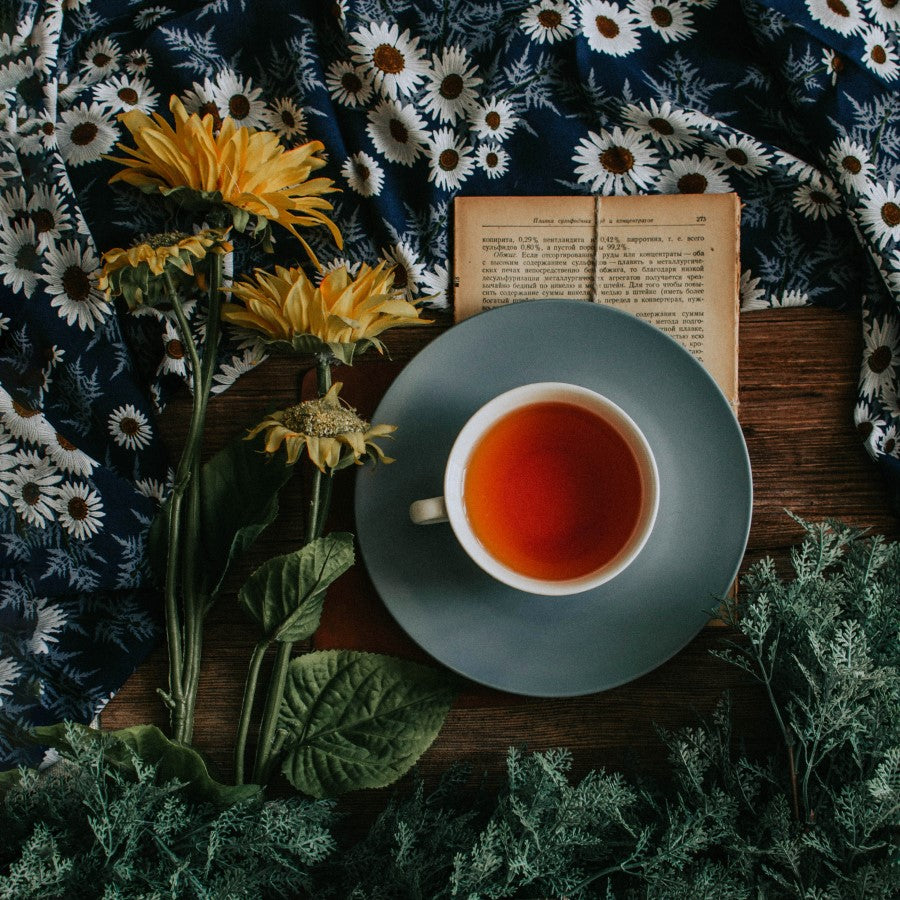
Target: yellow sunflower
[(343, 315), (332, 433), (136, 272), (246, 170)]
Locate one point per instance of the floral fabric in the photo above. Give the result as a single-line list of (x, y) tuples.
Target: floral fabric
[(793, 104)]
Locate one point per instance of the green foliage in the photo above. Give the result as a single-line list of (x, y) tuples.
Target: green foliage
[(85, 828), (358, 720), (285, 594)]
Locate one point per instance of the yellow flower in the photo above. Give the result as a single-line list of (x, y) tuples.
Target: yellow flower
[(247, 170), (343, 315), (136, 273), (332, 433)]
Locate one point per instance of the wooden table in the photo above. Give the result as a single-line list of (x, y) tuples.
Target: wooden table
[(798, 377)]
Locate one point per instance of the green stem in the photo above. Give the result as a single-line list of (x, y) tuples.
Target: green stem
[(240, 748)]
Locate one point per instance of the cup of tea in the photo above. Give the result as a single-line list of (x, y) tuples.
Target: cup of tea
[(551, 488)]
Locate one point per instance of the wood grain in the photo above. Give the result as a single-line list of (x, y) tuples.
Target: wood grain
[(798, 375)]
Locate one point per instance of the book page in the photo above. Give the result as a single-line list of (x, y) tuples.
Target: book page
[(670, 259)]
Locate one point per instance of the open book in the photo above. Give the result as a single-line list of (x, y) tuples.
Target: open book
[(670, 259)]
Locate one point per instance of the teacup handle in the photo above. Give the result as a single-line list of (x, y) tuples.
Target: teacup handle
[(428, 512)]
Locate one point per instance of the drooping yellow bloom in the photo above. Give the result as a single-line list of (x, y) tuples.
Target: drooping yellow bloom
[(343, 315), (332, 433), (136, 272), (247, 170)]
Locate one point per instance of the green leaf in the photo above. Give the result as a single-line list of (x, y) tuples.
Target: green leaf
[(151, 746), (239, 495), (358, 720), (285, 594)]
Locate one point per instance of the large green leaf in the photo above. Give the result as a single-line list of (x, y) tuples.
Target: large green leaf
[(358, 720), (239, 499), (285, 594), (149, 744)]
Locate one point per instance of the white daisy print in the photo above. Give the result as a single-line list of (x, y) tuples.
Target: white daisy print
[(69, 273), (33, 489), (609, 28), (408, 269), (879, 54), (450, 160), (879, 214), (842, 16), (662, 123), (100, 59), (494, 161), (817, 200), (68, 457), (23, 421), (14, 204), (436, 286), (741, 153), (364, 174), (137, 62), (84, 134), (150, 15), (881, 356), (494, 119), (229, 372), (866, 419), (397, 131), (152, 489), (834, 63), (616, 161), (790, 298), (885, 13), (8, 463), (450, 91), (853, 165), (285, 118), (237, 98), (129, 427), (395, 60), (174, 358), (548, 21), (125, 92), (670, 19), (693, 175), (338, 262), (752, 295), (49, 620), (796, 167), (199, 99), (885, 441), (19, 257), (79, 510), (49, 215), (348, 84)]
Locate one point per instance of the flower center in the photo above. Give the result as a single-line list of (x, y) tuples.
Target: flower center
[(128, 95), (737, 156), (852, 165), (398, 131), (48, 128), (31, 493), (864, 429), (837, 63), (238, 106), (389, 59), (661, 126), (22, 411), (43, 220), (879, 359), (351, 82), (879, 55), (401, 276), (362, 172), (549, 18), (606, 26), (67, 445), (129, 426), (838, 8), (889, 4), (451, 86), (889, 445), (890, 213), (692, 183), (318, 419), (174, 349), (210, 109), (101, 59), (78, 508), (617, 160), (492, 120), (819, 197), (491, 159), (448, 160), (76, 283), (662, 16), (27, 258), (287, 119), (83, 133)]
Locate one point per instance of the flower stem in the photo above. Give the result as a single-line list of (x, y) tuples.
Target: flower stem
[(240, 748)]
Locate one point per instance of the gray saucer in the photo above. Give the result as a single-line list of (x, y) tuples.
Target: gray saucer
[(543, 646)]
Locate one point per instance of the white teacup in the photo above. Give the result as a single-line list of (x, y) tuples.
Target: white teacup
[(551, 488)]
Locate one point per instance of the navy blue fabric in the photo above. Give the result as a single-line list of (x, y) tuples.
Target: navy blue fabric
[(791, 104)]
